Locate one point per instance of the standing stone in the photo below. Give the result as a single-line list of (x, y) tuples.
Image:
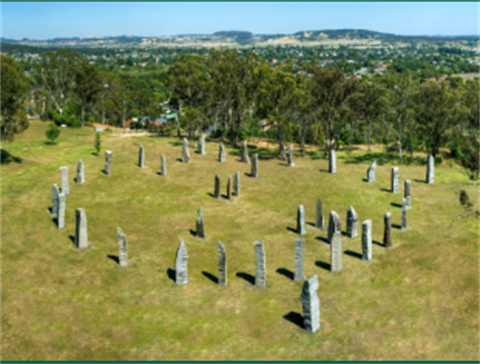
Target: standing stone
[(301, 220), (65, 187), (352, 223), (61, 211), (108, 162), (387, 235), (201, 145), (291, 163), (332, 161), (141, 157), (163, 166), (80, 179), (334, 225), (122, 242), (200, 224), (185, 151), (261, 267), (299, 258), (229, 188), (407, 194), (245, 157), (222, 264), (255, 166), (236, 184), (221, 153), (395, 186), (336, 252), (404, 214), (371, 172), (367, 240), (181, 264), (55, 193), (430, 169), (81, 235), (319, 221), (217, 186), (311, 305)]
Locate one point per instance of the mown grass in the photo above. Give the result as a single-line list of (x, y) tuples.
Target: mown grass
[(418, 301)]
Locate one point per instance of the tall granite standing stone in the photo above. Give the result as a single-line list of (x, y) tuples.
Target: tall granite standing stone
[(55, 193), (332, 161), (181, 264), (260, 263), (408, 194), (222, 264), (122, 244), (108, 162), (221, 153), (200, 224), (141, 157), (301, 220), (371, 172), (61, 211), (65, 186), (319, 221), (80, 179), (334, 225), (352, 223), (245, 157), (395, 185), (201, 145), (367, 240), (311, 305), (81, 235), (299, 274), (217, 187), (430, 169), (236, 184), (336, 252), (229, 188), (387, 235), (404, 214), (255, 166), (291, 163), (163, 166), (185, 151)]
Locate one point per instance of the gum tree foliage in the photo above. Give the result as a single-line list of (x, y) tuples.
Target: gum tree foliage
[(14, 93), (87, 86)]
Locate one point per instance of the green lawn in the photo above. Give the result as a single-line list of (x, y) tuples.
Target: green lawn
[(418, 301)]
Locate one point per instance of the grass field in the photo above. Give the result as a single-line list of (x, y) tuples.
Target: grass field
[(418, 301)]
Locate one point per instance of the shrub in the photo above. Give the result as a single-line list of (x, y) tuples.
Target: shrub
[(97, 143), (52, 132)]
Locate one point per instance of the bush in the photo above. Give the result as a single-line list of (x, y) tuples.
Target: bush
[(52, 132), (98, 143), (438, 160)]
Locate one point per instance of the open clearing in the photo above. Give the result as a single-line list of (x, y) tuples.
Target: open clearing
[(418, 301)]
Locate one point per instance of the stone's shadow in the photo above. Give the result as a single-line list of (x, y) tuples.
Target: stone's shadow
[(171, 274), (160, 174), (365, 180), (192, 232), (225, 197), (179, 160), (249, 175), (344, 233), (386, 190), (283, 164), (378, 243), (248, 277), (323, 170), (395, 204), (176, 144), (353, 254), (72, 238), (311, 224), (420, 181), (295, 318), (115, 258), (211, 194), (50, 209), (323, 265), (211, 277), (55, 221), (292, 230), (398, 227), (95, 154), (322, 239), (285, 272)]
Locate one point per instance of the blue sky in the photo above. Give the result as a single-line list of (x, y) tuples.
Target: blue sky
[(47, 20)]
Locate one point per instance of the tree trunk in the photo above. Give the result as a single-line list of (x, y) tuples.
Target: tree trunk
[(281, 141), (369, 131), (103, 115), (301, 131), (399, 141), (83, 116)]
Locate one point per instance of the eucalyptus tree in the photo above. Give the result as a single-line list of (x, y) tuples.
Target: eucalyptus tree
[(87, 87)]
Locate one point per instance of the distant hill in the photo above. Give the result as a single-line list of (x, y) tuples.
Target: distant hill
[(349, 37)]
